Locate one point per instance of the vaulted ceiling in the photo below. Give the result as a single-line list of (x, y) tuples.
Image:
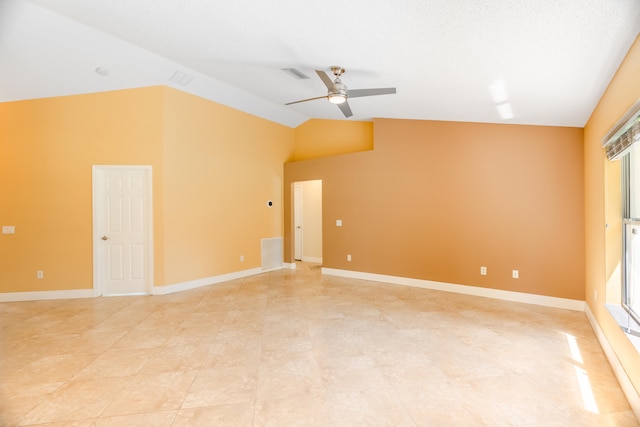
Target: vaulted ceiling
[(543, 62)]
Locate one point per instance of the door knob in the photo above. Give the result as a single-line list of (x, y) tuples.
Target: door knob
[(105, 238)]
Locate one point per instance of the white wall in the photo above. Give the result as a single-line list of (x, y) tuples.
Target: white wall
[(312, 220)]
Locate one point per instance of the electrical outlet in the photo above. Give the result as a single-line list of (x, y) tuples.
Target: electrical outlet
[(39, 274), (483, 271), (515, 274), (241, 258), (349, 257)]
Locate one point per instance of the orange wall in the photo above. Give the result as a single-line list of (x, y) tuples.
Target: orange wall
[(320, 138), (602, 203), (47, 148), (221, 168), (437, 200), (214, 168)]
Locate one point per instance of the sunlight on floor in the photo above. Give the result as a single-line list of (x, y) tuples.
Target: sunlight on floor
[(588, 398)]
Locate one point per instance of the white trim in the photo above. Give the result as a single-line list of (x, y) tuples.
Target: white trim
[(625, 383), (96, 205), (289, 265), (547, 301), (46, 295), (206, 281), (317, 260)]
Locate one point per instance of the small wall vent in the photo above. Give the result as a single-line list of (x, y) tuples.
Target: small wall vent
[(272, 252)]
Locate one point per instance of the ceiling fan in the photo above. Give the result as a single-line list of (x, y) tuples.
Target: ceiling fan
[(338, 92)]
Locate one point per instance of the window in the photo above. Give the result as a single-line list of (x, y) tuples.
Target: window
[(623, 143), (631, 229)]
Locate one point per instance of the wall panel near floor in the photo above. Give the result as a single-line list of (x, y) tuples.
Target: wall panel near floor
[(438, 200)]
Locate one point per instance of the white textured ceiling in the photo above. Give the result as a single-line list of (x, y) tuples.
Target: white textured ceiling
[(552, 59)]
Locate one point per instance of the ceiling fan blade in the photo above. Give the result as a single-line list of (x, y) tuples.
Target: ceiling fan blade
[(305, 100), (326, 80), (371, 92), (346, 110)]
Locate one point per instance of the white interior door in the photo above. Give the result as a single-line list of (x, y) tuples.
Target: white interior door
[(122, 229), (297, 221)]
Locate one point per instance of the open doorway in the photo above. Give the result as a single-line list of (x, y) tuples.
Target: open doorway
[(307, 221)]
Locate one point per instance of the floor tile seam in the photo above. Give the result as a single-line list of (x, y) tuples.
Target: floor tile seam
[(184, 398), (91, 419), (97, 356), (255, 394), (104, 417), (50, 399), (131, 379), (43, 399), (114, 395), (405, 407)]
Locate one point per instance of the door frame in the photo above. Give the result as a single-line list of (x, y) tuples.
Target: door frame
[(293, 202), (298, 215), (98, 172)]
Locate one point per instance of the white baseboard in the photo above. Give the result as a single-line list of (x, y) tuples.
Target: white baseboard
[(625, 383), (198, 283), (317, 260), (155, 290), (462, 289), (46, 295), (289, 265)]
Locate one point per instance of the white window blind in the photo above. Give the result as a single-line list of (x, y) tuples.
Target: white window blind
[(624, 134)]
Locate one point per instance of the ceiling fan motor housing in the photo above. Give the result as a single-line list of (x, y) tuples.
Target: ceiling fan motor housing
[(339, 95)]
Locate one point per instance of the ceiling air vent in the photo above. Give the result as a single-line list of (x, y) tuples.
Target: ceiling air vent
[(295, 73), (181, 78)]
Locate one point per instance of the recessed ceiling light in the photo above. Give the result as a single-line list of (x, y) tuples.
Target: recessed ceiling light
[(101, 71)]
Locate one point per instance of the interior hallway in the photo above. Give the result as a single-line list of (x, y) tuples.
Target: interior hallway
[(292, 348)]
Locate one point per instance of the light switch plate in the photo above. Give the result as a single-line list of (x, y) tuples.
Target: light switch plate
[(8, 229), (338, 223)]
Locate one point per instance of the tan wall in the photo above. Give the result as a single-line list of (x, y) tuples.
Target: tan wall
[(602, 206), (214, 168), (320, 138), (47, 148), (312, 218), (437, 200)]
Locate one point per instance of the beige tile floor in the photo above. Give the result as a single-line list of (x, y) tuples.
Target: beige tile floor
[(295, 348)]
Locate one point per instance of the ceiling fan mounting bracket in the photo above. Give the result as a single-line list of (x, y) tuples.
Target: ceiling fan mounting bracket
[(337, 70)]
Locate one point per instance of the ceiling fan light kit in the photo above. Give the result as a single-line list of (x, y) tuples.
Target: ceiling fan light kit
[(337, 93), (337, 98)]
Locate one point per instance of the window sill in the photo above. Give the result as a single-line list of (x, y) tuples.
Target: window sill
[(629, 326)]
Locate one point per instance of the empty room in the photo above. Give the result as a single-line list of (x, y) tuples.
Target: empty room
[(319, 213)]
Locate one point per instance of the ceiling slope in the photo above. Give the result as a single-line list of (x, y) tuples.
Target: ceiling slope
[(500, 61)]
